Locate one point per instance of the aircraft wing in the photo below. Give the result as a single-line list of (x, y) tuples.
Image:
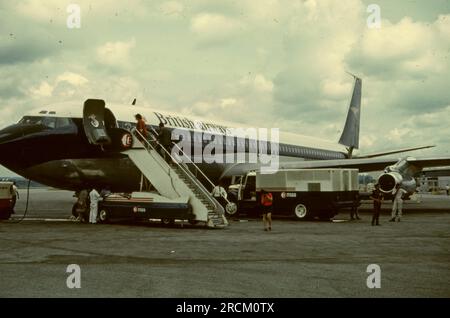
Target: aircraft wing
[(390, 152), (435, 172), (369, 164), (364, 165)]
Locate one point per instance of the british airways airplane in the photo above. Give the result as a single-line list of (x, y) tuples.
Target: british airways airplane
[(75, 146)]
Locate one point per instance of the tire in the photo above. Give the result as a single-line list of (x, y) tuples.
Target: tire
[(103, 216), (302, 212), (167, 221), (231, 209)]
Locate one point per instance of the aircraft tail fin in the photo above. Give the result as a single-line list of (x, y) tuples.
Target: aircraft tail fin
[(350, 134)]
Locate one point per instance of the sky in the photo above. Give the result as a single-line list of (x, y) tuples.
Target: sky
[(262, 63)]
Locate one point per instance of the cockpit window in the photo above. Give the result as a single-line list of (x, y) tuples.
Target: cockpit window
[(49, 122)]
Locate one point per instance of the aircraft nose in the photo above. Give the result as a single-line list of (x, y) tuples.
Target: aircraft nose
[(10, 133), (8, 148)]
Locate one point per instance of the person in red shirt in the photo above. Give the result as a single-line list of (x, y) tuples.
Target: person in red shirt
[(140, 125), (266, 207)]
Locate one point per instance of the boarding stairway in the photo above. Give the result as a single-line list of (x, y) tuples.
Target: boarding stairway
[(176, 180)]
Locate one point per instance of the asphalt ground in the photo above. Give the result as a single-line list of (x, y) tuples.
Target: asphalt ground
[(296, 259)]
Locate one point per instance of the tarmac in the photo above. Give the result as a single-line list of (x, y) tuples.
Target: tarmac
[(295, 260)]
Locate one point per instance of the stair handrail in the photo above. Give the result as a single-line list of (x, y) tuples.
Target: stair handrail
[(185, 170), (195, 166), (134, 130)]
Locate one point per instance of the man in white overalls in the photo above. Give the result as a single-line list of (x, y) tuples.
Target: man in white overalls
[(94, 196), (398, 203)]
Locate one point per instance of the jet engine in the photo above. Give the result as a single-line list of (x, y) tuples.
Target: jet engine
[(401, 173)]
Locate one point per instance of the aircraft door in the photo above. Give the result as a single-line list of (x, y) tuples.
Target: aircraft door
[(94, 122)]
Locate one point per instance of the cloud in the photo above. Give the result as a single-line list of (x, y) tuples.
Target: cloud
[(172, 9), (56, 10), (213, 25), (228, 102), (64, 85), (115, 53), (43, 90), (25, 48), (335, 89), (252, 62), (42, 10), (72, 78), (257, 82), (407, 48)]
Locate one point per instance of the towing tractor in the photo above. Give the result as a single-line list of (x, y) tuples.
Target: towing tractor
[(6, 200), (302, 193)]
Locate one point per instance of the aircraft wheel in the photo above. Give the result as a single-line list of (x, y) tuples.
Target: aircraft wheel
[(302, 212)]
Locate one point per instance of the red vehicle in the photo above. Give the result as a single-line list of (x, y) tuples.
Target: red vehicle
[(6, 200)]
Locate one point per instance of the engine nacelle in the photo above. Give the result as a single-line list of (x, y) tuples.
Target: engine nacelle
[(401, 173), (388, 181)]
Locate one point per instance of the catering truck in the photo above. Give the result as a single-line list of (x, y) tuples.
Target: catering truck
[(302, 193)]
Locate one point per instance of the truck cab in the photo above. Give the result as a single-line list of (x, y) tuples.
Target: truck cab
[(242, 191)]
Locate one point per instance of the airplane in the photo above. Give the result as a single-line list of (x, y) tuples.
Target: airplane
[(75, 146)]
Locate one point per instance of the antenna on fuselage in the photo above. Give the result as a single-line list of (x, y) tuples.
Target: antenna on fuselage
[(134, 102)]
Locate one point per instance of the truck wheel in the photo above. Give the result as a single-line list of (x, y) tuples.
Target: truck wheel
[(167, 221), (231, 209), (103, 216), (301, 211)]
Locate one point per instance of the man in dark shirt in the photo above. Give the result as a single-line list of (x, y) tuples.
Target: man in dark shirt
[(165, 140), (377, 197)]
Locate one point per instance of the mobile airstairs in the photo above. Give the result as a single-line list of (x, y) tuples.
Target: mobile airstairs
[(176, 180)]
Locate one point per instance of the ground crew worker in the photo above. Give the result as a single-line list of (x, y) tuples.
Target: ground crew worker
[(377, 197), (266, 206), (354, 213), (397, 206), (447, 189), (165, 141), (141, 126), (220, 194), (15, 195), (94, 196), (83, 198)]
